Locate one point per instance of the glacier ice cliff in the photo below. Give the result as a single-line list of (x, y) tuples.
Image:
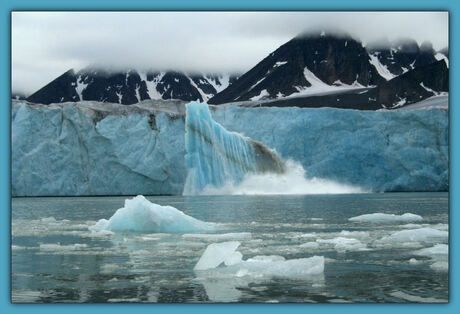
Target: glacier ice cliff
[(215, 156), (91, 148)]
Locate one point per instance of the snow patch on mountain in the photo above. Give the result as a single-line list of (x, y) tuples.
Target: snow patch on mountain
[(263, 94), (318, 87), (80, 87), (381, 69), (440, 56)]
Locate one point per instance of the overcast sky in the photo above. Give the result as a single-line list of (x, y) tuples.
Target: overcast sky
[(46, 44)]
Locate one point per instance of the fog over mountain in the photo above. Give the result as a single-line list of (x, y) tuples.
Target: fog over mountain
[(46, 44)]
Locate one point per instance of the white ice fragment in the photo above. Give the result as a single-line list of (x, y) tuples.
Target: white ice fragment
[(48, 219), (441, 266), (415, 235), (411, 226), (140, 215), (219, 237), (233, 259), (277, 266), (256, 267), (59, 247), (415, 298), (438, 249), (354, 234), (414, 261), (342, 244), (310, 245), (266, 258), (215, 254), (109, 268), (382, 217)]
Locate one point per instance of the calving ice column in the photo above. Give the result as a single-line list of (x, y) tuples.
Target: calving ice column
[(215, 156)]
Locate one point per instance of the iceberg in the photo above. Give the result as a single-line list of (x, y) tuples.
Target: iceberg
[(215, 156), (140, 215)]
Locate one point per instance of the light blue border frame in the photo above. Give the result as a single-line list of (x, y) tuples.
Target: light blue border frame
[(453, 6)]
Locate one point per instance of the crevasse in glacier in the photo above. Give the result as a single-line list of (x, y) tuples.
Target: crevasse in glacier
[(215, 156)]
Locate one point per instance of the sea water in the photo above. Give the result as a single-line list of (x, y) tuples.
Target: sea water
[(57, 258)]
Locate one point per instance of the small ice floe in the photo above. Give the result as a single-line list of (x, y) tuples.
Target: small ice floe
[(219, 237), (438, 249), (415, 298), (412, 226), (309, 245), (382, 217), (441, 266), (415, 235), (438, 255), (354, 234), (140, 215), (48, 219), (414, 261), (342, 244), (259, 266), (18, 247), (216, 254), (109, 268), (297, 235), (59, 247)]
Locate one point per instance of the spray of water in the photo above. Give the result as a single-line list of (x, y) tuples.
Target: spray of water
[(292, 181)]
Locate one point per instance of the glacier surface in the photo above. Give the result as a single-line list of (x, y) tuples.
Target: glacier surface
[(91, 148)]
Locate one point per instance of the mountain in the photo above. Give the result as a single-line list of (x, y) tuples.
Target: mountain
[(413, 86), (305, 64), (401, 57), (408, 88), (131, 86), (329, 70), (311, 70)]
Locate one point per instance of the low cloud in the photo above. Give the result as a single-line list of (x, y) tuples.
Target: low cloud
[(46, 44)]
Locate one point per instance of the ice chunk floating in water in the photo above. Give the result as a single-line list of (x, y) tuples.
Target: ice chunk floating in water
[(217, 253), (140, 215), (382, 217), (223, 162), (258, 266)]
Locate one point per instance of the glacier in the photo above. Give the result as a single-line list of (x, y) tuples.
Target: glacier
[(215, 156), (92, 148)]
